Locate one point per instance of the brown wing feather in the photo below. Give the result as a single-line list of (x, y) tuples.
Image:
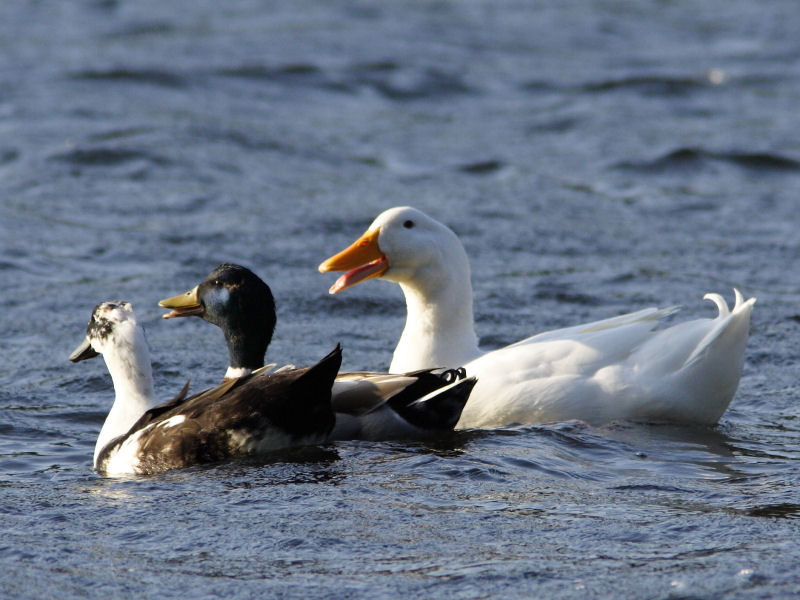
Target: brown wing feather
[(293, 405)]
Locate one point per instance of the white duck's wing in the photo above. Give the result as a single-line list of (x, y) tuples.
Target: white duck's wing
[(572, 350), (647, 315), (551, 377), (624, 369)]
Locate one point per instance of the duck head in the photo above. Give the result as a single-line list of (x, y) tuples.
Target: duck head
[(403, 245), (237, 301), (110, 325)]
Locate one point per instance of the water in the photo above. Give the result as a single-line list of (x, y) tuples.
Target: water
[(595, 159)]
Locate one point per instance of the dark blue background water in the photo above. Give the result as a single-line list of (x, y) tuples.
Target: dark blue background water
[(595, 158)]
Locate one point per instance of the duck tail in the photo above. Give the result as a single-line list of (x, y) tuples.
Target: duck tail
[(741, 302), (441, 409), (722, 305), (713, 369), (726, 320)]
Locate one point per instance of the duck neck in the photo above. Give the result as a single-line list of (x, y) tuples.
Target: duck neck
[(246, 350), (439, 330), (129, 366)]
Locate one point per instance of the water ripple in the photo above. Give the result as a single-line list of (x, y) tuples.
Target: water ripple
[(130, 75), (690, 158), (649, 84), (106, 156), (387, 78), (775, 511)]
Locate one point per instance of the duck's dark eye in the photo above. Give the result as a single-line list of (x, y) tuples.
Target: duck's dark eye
[(408, 224)]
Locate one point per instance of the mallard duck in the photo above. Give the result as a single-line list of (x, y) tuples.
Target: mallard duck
[(618, 368), (371, 406), (246, 416)]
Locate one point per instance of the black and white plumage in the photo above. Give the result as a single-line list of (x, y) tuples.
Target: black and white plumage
[(382, 406), (242, 417), (371, 406)]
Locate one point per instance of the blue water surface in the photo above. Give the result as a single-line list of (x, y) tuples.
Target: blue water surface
[(595, 158)]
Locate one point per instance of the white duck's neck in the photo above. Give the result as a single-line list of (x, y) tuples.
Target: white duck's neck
[(128, 362), (439, 329)]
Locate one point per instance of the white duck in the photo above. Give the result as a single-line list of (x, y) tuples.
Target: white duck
[(618, 368)]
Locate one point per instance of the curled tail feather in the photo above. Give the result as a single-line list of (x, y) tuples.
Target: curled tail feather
[(724, 313), (722, 306)]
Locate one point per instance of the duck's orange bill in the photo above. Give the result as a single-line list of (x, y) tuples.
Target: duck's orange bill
[(362, 260)]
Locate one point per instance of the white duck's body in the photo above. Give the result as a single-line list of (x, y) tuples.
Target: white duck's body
[(619, 368)]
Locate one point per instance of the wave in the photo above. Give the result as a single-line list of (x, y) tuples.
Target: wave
[(292, 74), (107, 156), (695, 158), (786, 510), (8, 155), (387, 78), (414, 84), (143, 28), (650, 84), (563, 294), (122, 74), (483, 167)]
